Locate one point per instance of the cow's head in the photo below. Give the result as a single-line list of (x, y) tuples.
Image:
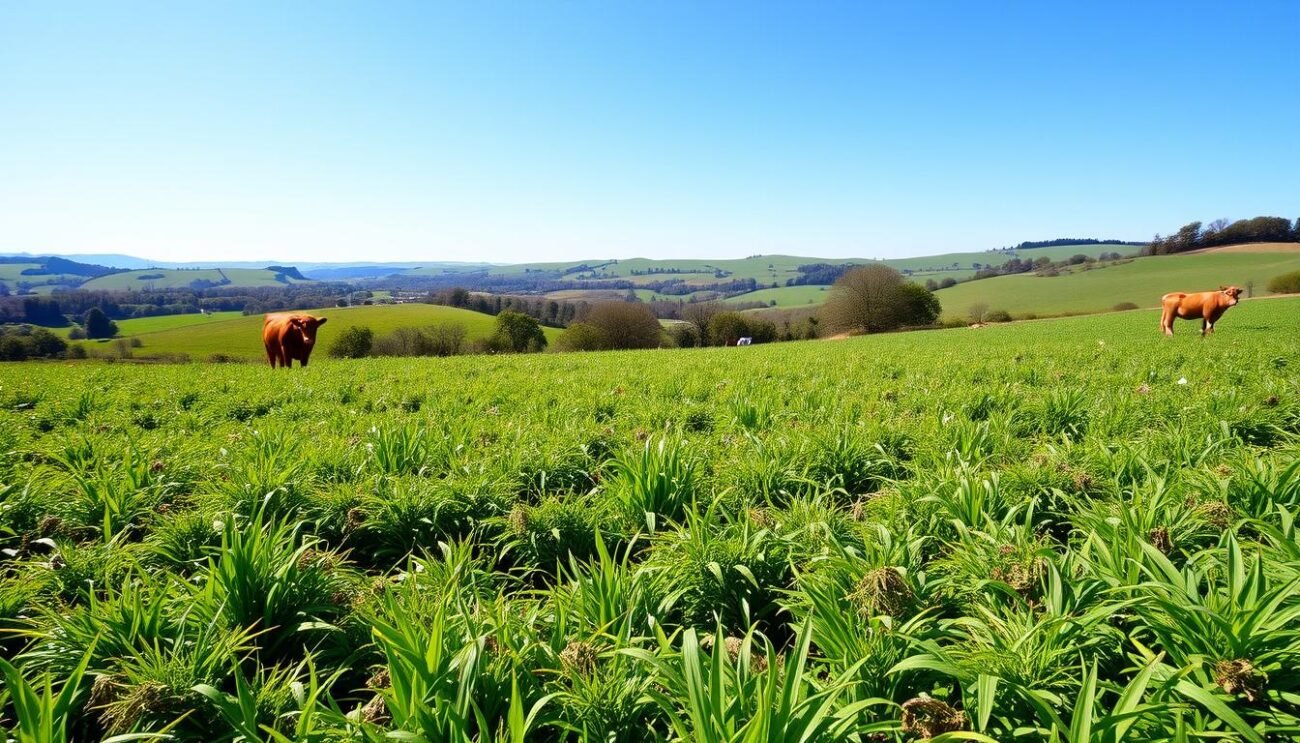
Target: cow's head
[(1231, 292), (306, 325)]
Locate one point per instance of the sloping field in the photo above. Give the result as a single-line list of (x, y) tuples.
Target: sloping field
[(1142, 282), (1064, 530), (786, 296), (1252, 248), (142, 325), (174, 278), (241, 336)]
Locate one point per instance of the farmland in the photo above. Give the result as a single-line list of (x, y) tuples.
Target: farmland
[(1142, 282), (238, 336), (177, 278), (1061, 530)]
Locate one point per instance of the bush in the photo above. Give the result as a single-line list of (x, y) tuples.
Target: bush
[(77, 334), (519, 333), (447, 339), (621, 325), (1287, 283), (684, 335), (728, 327), (98, 325), (997, 316), (1122, 306), (353, 343), (580, 337), (875, 298)]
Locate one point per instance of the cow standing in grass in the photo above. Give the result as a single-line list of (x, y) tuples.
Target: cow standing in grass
[(1206, 306), (289, 337)]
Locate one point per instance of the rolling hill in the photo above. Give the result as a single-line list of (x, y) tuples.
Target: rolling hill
[(180, 278), (1142, 282)]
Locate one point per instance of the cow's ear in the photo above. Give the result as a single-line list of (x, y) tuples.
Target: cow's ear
[(319, 320), (1223, 288)]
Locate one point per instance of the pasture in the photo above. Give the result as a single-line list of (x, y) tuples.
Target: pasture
[(1061, 530), (180, 278), (1142, 281), (240, 336)]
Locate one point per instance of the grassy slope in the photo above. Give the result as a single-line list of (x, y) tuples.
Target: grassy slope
[(179, 279), (1142, 282), (142, 325), (786, 296), (242, 335)]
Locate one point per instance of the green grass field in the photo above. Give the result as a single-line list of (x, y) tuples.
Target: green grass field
[(1142, 282), (143, 325), (171, 278), (240, 336), (1064, 530), (786, 296)]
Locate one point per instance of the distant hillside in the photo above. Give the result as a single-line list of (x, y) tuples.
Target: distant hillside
[(1141, 282), (44, 274), (197, 278)]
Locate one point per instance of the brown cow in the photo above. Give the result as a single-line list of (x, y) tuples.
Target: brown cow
[(289, 337), (1207, 306)]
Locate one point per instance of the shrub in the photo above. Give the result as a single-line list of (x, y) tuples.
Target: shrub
[(620, 325), (997, 316), (98, 325), (353, 343), (519, 333), (580, 337), (447, 339), (684, 335), (1122, 306), (1287, 283), (875, 298)]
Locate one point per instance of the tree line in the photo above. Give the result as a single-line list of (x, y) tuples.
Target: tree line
[(1031, 244), (1220, 232), (62, 308)]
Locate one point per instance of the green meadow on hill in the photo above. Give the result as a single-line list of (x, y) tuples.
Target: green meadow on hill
[(1070, 529), (1141, 282), (175, 278)]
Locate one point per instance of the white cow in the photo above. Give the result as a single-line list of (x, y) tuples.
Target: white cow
[(746, 341)]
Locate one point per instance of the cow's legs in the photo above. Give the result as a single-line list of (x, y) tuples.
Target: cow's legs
[(270, 355)]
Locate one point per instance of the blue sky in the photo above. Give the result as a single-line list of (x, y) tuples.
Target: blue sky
[(522, 131)]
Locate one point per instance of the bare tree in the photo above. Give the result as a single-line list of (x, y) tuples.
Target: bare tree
[(977, 311), (625, 324), (699, 315), (876, 297)]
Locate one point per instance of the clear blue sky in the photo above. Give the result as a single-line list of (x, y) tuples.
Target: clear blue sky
[(533, 130)]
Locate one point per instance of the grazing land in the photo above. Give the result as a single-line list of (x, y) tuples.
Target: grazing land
[(176, 278), (240, 337), (1062, 530), (1142, 281)]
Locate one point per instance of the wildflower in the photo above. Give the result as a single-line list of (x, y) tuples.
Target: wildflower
[(1182, 380)]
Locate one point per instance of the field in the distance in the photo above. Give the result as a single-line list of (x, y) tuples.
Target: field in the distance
[(240, 336), (1020, 532), (175, 278), (1142, 282)]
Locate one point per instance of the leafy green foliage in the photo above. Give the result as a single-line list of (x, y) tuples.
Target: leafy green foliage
[(1072, 530)]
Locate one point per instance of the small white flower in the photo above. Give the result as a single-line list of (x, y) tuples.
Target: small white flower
[(218, 525), (1182, 380)]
